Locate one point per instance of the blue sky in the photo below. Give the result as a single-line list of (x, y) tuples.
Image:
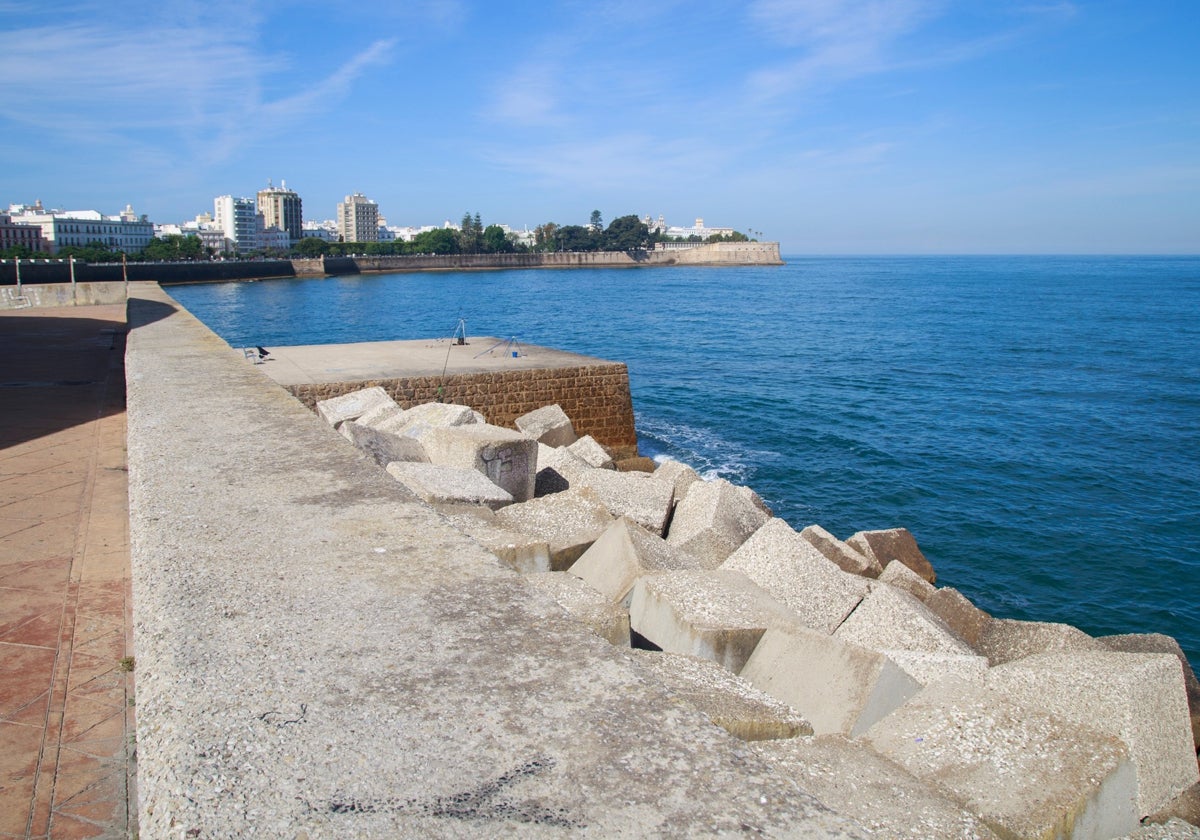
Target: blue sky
[(833, 126)]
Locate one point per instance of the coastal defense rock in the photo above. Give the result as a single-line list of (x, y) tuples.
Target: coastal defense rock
[(888, 800), (679, 474), (727, 700), (1005, 639), (592, 453), (926, 667), (520, 552), (1136, 697), (438, 485), (604, 618), (1172, 829), (838, 687), (718, 615), (753, 498), (712, 520), (507, 458), (638, 496), (1027, 774), (384, 416), (338, 410), (420, 420), (960, 615), (788, 566), (890, 619), (846, 558), (383, 446), (548, 425), (557, 468), (622, 554), (902, 577), (1159, 643), (569, 522), (893, 544)]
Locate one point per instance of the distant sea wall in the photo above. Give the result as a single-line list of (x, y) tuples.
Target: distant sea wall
[(59, 271), (595, 397)]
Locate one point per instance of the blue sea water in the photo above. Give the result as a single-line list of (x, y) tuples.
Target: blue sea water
[(1034, 421)]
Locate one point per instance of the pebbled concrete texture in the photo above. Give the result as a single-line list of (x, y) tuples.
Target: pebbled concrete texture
[(322, 656)]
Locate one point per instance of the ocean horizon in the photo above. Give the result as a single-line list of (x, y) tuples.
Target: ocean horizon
[(1033, 420)]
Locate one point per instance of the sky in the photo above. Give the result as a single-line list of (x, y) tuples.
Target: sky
[(832, 126)]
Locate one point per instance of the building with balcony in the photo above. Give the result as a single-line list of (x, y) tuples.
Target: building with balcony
[(127, 232), (18, 235), (282, 208), (358, 219)]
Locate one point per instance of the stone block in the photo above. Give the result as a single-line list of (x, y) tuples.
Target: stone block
[(890, 619), (1159, 643), (338, 410), (1006, 639), (1025, 773), (383, 416), (800, 577), (557, 467), (637, 463), (1185, 807), (1137, 697), (383, 447), (718, 615), (548, 425), (679, 474), (755, 499), (640, 497), (846, 558), (438, 485), (418, 421), (569, 522), (926, 668), (622, 554), (1173, 829), (607, 620), (520, 552), (893, 544), (591, 452), (507, 458), (902, 577), (884, 798), (838, 687), (960, 615), (727, 700), (713, 520)]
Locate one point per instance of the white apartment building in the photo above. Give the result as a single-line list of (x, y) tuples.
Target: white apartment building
[(238, 218), (358, 219), (126, 232)]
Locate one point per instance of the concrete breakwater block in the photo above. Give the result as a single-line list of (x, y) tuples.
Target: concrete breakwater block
[(420, 420), (592, 453), (640, 497), (902, 577), (1006, 639), (679, 474), (840, 688), (518, 551), (557, 468), (1025, 773), (712, 520), (893, 544), (884, 797), (846, 558), (622, 554), (607, 620), (926, 667), (548, 425), (507, 458), (890, 619), (960, 615), (382, 416), (1160, 643), (1138, 698), (440, 485), (727, 700), (718, 615), (382, 445), (569, 522), (799, 576), (1172, 829), (337, 410)]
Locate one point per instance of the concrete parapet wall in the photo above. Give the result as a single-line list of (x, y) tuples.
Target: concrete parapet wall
[(595, 397), (61, 294), (319, 655)]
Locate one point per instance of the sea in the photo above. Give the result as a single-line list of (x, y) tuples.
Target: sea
[(1033, 421)]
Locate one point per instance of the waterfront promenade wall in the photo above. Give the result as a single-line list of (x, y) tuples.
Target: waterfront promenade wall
[(320, 655)]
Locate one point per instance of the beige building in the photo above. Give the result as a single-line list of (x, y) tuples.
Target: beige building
[(358, 219), (282, 208)]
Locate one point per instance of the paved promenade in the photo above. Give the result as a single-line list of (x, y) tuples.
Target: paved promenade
[(66, 688)]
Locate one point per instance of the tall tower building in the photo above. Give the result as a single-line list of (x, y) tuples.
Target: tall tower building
[(358, 219), (238, 217), (282, 208)]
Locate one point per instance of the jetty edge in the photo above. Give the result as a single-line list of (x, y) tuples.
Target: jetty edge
[(322, 651)]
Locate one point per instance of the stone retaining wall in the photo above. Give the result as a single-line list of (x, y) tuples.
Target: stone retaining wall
[(37, 296), (595, 397)]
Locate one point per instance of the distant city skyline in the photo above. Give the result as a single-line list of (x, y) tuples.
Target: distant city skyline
[(832, 126)]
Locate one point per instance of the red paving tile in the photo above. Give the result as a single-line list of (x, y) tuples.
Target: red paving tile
[(66, 766)]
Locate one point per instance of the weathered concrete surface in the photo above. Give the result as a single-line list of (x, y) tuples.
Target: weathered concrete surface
[(713, 519), (893, 544), (1006, 639), (641, 497), (439, 485), (508, 459), (622, 554), (891, 619), (569, 522), (320, 655), (1160, 643), (520, 552), (548, 425), (895, 805), (1174, 829), (902, 577), (338, 410), (960, 615), (604, 618), (679, 474), (846, 558), (592, 453), (383, 446), (727, 700), (557, 467)]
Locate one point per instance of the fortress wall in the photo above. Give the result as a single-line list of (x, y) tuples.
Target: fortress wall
[(595, 397)]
